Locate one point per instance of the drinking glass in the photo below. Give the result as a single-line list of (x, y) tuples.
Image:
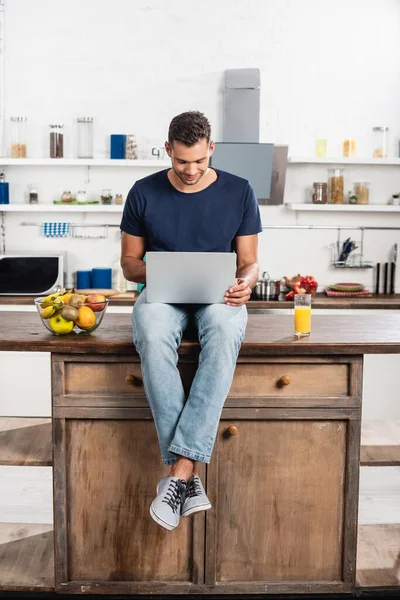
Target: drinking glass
[(302, 314)]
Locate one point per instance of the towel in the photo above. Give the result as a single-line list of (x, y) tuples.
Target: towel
[(57, 230)]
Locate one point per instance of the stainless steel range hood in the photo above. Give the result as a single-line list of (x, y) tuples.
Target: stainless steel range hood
[(264, 165)]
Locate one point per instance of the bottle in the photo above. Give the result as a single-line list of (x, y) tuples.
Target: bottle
[(4, 191), (33, 194), (18, 137), (85, 137), (56, 141)]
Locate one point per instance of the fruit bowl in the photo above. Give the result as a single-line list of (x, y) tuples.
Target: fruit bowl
[(67, 312)]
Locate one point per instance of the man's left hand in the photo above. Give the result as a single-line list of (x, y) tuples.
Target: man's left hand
[(238, 294)]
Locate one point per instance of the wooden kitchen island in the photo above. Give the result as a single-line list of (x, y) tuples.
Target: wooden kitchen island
[(283, 479)]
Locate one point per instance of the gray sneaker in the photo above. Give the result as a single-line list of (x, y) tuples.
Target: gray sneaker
[(195, 498), (166, 506)]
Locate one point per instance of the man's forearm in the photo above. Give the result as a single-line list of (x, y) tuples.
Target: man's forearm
[(249, 272), (134, 269)]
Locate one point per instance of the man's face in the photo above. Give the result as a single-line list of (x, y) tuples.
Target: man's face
[(190, 163)]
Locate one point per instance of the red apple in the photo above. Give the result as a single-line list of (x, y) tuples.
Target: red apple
[(97, 302)]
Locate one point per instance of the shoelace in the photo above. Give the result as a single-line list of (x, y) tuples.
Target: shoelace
[(174, 493), (193, 488)]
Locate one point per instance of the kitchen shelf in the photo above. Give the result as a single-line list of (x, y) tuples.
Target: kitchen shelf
[(380, 444), (343, 161), (25, 442), (378, 556), (82, 162), (309, 206), (59, 208)]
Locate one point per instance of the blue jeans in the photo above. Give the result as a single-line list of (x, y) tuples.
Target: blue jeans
[(187, 427)]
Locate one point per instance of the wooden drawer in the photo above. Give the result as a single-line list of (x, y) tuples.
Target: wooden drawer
[(111, 378), (289, 379)]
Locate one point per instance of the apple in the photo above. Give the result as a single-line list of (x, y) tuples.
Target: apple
[(96, 302), (60, 325)]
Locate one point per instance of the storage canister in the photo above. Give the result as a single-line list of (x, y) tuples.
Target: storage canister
[(85, 137), (320, 192), (380, 142), (18, 137), (361, 191), (56, 141), (336, 185)]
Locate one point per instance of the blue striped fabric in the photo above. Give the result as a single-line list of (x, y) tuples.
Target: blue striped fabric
[(57, 230)]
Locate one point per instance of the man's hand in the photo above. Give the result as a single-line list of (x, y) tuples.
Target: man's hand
[(238, 294)]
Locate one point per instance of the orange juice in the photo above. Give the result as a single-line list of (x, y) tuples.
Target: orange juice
[(302, 319)]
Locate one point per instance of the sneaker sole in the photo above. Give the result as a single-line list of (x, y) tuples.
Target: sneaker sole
[(196, 509), (160, 521)]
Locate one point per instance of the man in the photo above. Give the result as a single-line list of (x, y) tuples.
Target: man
[(189, 208)]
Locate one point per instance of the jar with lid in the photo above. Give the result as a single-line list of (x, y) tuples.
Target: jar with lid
[(33, 194), (349, 148), (81, 197), (380, 141), (118, 199), (106, 197), (320, 192), (336, 185), (18, 137), (56, 141), (85, 137), (130, 147), (66, 197), (361, 191)]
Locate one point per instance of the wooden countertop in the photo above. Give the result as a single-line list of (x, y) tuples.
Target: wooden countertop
[(387, 302), (266, 335)]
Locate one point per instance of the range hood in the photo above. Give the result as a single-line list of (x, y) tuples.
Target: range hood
[(240, 152)]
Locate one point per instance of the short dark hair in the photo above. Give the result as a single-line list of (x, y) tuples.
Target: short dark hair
[(188, 128)]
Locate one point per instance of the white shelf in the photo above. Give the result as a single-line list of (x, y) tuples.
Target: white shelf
[(343, 161), (343, 207), (82, 162), (60, 208)]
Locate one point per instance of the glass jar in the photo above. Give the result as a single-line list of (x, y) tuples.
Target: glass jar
[(130, 147), (118, 199), (320, 148), (66, 197), (33, 194), (106, 197), (18, 137), (349, 148), (85, 137), (320, 192), (361, 191), (56, 141), (380, 141), (81, 197), (336, 185)]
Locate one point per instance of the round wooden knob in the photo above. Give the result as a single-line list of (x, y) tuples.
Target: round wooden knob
[(133, 380), (284, 380), (232, 430)]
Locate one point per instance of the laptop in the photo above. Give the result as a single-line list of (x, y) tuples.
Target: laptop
[(189, 277)]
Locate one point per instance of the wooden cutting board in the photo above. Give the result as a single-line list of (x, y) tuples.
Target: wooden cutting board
[(106, 293)]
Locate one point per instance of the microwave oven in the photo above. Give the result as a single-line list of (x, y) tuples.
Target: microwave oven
[(31, 274)]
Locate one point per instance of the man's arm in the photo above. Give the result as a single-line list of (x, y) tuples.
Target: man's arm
[(133, 249), (247, 271)]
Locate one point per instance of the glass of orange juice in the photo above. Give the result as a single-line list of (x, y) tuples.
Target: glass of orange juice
[(302, 314)]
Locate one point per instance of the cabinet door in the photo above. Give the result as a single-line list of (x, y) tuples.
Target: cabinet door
[(106, 472), (282, 515)]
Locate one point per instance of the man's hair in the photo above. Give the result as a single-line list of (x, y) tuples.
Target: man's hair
[(188, 128)]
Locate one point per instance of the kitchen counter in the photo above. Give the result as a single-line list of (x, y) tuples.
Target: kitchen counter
[(289, 434), (381, 301)]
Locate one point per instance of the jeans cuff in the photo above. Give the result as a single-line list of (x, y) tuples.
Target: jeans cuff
[(168, 461), (189, 454)]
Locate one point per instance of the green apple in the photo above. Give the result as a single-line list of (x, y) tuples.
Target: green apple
[(60, 325)]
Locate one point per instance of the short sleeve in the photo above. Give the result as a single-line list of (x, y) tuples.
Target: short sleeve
[(132, 218), (251, 220)]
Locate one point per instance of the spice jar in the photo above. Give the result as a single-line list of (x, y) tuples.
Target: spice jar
[(336, 186), (361, 190), (66, 197), (81, 197), (85, 137), (320, 193), (18, 137), (118, 199), (380, 147), (106, 197), (56, 141), (33, 194)]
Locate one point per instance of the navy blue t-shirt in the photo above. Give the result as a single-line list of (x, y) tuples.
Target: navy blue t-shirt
[(205, 221)]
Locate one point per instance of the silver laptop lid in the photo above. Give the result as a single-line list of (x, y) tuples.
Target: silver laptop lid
[(189, 277)]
